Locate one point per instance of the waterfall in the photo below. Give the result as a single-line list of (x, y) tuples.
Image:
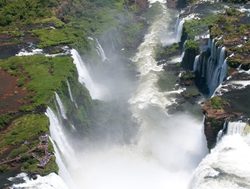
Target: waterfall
[(180, 23), (221, 132), (84, 76), (223, 71), (63, 150), (70, 94), (61, 107), (235, 128), (154, 157), (100, 51), (227, 166), (196, 61), (213, 69), (179, 29)]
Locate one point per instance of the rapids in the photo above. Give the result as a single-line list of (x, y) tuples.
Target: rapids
[(165, 150)]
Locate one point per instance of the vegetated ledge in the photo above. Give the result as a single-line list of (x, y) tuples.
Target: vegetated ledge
[(229, 103), (50, 24), (25, 144), (23, 122)]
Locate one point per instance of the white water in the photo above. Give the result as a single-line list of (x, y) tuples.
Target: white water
[(214, 70), (165, 151), (70, 94), (157, 159), (51, 181), (235, 128), (61, 107), (196, 61), (179, 29), (100, 51), (215, 73), (84, 76), (227, 166), (23, 52), (32, 52), (180, 23)]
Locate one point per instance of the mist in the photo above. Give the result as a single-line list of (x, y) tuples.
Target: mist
[(133, 142)]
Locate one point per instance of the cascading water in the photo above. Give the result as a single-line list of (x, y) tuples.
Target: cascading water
[(155, 158), (63, 150), (227, 166), (196, 61), (213, 69), (180, 23), (70, 94), (235, 128), (61, 107), (84, 76), (179, 29), (100, 51)]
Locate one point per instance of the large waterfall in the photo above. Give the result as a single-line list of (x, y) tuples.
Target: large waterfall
[(154, 157)]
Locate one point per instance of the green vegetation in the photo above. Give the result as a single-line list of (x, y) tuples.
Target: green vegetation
[(192, 45), (234, 26), (20, 139), (197, 27), (4, 119), (49, 24), (23, 129), (41, 75), (17, 11), (217, 102), (58, 22)]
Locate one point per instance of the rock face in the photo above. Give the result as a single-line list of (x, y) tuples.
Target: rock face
[(217, 111), (226, 54)]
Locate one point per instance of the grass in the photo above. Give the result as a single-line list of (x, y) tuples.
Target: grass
[(192, 45), (27, 128), (42, 76), (199, 26), (23, 129), (4, 119), (52, 37), (50, 20)]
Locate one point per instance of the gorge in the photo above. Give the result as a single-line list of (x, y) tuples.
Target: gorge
[(126, 113)]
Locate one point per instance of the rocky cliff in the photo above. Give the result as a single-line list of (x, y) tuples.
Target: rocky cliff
[(220, 64)]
